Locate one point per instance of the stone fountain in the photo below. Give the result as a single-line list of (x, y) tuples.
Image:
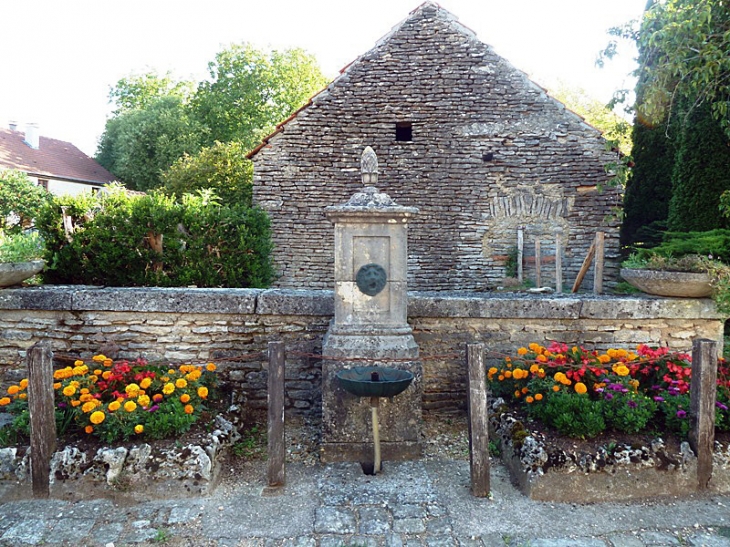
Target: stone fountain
[(370, 327)]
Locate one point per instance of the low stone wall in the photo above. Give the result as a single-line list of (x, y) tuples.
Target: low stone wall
[(233, 326)]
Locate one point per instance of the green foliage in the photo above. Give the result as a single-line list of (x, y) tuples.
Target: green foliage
[(701, 173), (252, 443), (222, 167), (20, 200), (20, 247), (250, 91), (139, 144), (676, 414), (571, 414), (715, 243), (629, 412), (138, 91), (117, 239)]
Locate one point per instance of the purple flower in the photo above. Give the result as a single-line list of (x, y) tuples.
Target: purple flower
[(681, 413), (61, 405), (624, 390), (721, 406), (153, 408), (599, 390), (631, 403), (658, 399), (609, 396)]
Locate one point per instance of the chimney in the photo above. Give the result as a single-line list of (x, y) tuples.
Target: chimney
[(32, 136), (13, 125)]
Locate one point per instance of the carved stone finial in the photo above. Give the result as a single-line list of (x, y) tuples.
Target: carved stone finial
[(369, 167)]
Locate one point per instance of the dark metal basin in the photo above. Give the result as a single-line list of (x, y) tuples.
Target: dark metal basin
[(374, 381)]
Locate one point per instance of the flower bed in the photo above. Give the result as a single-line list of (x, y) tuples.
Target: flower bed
[(580, 394), (105, 402)]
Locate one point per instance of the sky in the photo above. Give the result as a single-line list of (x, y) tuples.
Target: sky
[(58, 59)]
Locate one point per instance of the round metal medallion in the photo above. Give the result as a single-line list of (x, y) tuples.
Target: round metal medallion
[(370, 279)]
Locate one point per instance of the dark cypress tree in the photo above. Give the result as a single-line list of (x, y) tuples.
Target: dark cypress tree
[(701, 173)]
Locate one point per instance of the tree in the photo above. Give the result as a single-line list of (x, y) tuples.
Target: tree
[(684, 45), (139, 144), (20, 200), (615, 129), (250, 91), (141, 90), (222, 167)]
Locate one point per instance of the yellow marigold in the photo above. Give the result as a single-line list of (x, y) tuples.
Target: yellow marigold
[(89, 429), (171, 371), (132, 390), (611, 353), (139, 428), (534, 347), (114, 406), (508, 374), (69, 390), (145, 383), (529, 399), (189, 409), (130, 406), (80, 371), (106, 374), (13, 390), (165, 379), (194, 375), (98, 371), (493, 371), (621, 353), (57, 385), (632, 356), (24, 383), (184, 398), (78, 363), (559, 377), (5, 401), (517, 374), (541, 359), (181, 383), (534, 369), (59, 374), (621, 370), (84, 397), (23, 396), (580, 387), (97, 417), (88, 406), (202, 392), (75, 384), (99, 358), (210, 367), (604, 358), (538, 396), (522, 351), (143, 400), (107, 362), (75, 403), (84, 390), (634, 383), (556, 388), (168, 389)]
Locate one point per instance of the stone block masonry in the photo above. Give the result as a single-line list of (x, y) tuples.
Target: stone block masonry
[(232, 327), (489, 151)]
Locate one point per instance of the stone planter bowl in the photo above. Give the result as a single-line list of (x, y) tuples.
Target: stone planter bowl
[(12, 273), (664, 283)]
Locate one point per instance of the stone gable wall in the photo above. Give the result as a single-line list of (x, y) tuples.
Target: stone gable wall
[(226, 325), (490, 152)]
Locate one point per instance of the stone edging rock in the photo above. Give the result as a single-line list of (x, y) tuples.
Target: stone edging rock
[(617, 473), (139, 472)]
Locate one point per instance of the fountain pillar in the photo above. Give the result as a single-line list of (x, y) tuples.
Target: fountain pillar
[(370, 326)]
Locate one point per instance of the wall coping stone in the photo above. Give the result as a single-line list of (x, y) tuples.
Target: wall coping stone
[(321, 303)]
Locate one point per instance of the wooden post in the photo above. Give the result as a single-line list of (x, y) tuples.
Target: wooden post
[(558, 262), (703, 393), (520, 253), (478, 421), (41, 408), (276, 445), (584, 267), (598, 269), (538, 264)]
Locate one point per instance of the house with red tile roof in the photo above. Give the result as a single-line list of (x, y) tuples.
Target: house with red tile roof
[(56, 165)]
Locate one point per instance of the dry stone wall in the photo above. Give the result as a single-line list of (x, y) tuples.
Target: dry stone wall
[(232, 327), (490, 152)]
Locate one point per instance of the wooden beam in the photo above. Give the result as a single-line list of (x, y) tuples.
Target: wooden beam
[(584, 267), (478, 421), (538, 264), (276, 473), (703, 393), (598, 270), (41, 408)]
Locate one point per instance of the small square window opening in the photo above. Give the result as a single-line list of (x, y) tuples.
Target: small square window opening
[(403, 131)]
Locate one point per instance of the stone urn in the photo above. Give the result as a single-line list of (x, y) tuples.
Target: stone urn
[(667, 283), (12, 273)]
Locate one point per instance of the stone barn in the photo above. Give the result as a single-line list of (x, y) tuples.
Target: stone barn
[(460, 134)]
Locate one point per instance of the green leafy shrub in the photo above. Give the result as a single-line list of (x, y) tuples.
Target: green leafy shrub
[(20, 200), (21, 247), (572, 414), (154, 240), (628, 411)]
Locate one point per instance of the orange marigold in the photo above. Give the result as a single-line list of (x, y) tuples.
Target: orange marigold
[(130, 406), (522, 351), (24, 383), (89, 429), (529, 399), (556, 388), (181, 383), (184, 398), (538, 396), (580, 387), (12, 390), (189, 409), (210, 367), (145, 383), (139, 428), (5, 401), (202, 392), (114, 406)]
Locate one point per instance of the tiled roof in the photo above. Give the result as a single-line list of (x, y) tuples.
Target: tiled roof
[(53, 159)]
